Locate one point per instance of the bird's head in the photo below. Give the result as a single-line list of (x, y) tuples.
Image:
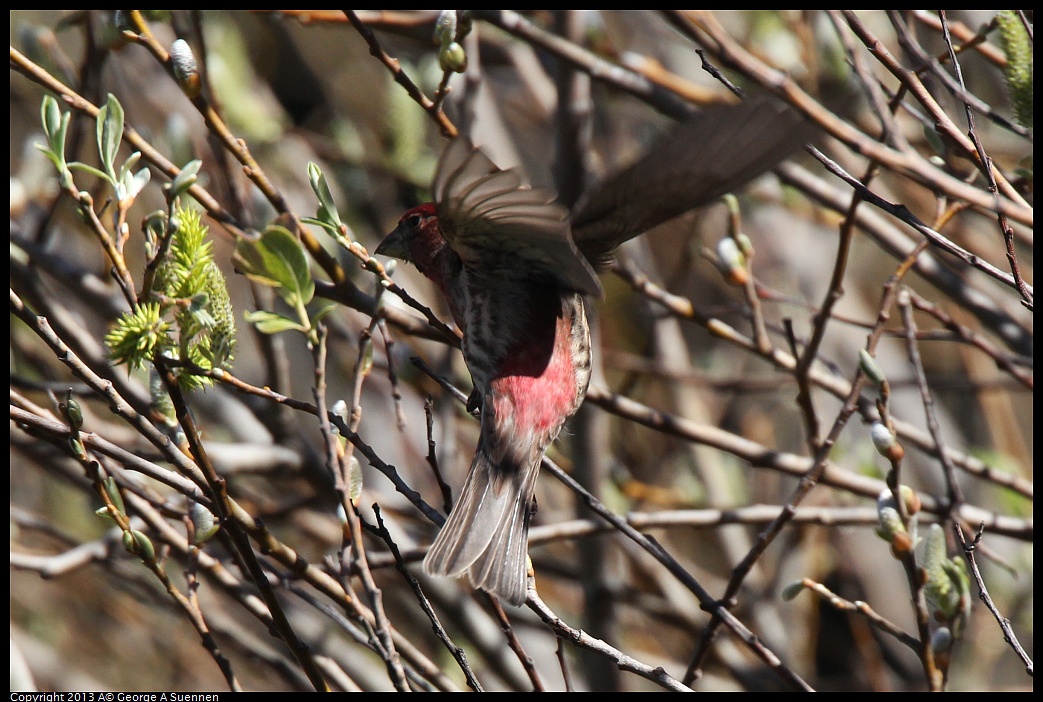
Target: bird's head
[(418, 239)]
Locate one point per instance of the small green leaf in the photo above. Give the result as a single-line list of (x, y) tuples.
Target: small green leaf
[(114, 494), (134, 184), (322, 313), (129, 543), (277, 259), (140, 545), (52, 157), (272, 323), (185, 179), (154, 228), (55, 126), (110, 134), (51, 116), (306, 220), (73, 411), (77, 166), (129, 164), (327, 208)]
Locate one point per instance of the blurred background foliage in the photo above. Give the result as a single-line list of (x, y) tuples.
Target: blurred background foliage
[(694, 427)]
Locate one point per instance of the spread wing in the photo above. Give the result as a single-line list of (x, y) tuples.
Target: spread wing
[(488, 214), (712, 153)]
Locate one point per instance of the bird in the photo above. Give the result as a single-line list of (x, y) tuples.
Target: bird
[(517, 269)]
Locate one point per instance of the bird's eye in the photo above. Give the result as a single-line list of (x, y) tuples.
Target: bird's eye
[(413, 220)]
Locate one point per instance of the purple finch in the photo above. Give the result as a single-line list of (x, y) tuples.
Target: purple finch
[(514, 267)]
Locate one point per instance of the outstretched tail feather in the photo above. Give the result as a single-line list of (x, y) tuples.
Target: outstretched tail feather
[(487, 533)]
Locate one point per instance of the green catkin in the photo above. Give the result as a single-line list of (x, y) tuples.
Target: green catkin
[(1018, 47)]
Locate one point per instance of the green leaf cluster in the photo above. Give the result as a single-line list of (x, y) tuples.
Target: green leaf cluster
[(190, 290), (277, 259), (187, 294), (109, 131)]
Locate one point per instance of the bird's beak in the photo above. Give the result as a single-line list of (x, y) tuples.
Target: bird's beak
[(395, 244)]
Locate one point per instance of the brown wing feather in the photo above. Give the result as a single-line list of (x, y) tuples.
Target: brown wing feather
[(483, 208), (711, 154)]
